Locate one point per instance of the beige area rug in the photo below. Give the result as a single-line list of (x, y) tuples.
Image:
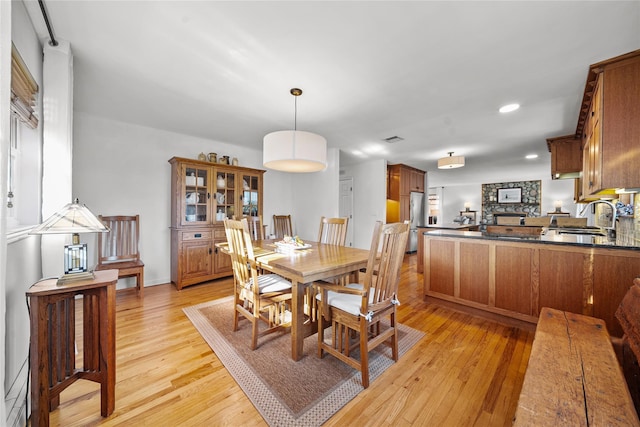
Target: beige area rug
[(287, 393)]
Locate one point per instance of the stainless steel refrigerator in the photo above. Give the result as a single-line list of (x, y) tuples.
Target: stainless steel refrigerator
[(416, 218)]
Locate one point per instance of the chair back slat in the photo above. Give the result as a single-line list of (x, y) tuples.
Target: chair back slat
[(333, 231), (256, 230), (282, 226), (121, 242), (241, 251), (382, 276)]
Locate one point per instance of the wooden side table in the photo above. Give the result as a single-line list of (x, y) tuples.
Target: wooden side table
[(53, 364)]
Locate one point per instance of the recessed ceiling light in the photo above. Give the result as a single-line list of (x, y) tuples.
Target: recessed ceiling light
[(509, 108), (531, 156)]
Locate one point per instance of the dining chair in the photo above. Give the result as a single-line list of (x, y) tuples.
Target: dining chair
[(355, 310), (282, 226), (118, 248), (333, 231), (256, 229), (258, 297)]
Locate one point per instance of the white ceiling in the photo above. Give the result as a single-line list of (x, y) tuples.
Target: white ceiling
[(433, 73)]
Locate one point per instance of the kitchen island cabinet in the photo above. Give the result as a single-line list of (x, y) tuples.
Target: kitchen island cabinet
[(516, 277)]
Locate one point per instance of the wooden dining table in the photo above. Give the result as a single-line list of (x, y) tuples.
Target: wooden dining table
[(303, 267)]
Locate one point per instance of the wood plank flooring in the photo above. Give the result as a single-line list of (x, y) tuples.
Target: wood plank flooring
[(467, 371)]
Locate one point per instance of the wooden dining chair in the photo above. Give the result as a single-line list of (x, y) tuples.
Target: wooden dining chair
[(333, 231), (282, 226), (258, 297), (118, 248), (355, 310), (256, 229)]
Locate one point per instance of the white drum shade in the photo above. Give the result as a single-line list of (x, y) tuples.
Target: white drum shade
[(294, 151)]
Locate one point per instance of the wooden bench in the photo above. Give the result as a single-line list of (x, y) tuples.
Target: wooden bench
[(573, 377)]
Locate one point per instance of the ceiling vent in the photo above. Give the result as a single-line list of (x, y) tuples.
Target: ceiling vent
[(393, 139)]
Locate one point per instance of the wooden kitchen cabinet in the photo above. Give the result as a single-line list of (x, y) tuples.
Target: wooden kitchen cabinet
[(202, 195), (609, 125), (402, 180), (566, 156)]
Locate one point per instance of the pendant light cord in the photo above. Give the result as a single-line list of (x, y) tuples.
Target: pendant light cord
[(295, 113)]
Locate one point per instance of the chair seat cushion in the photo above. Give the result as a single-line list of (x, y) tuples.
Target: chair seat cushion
[(345, 302), (271, 283)]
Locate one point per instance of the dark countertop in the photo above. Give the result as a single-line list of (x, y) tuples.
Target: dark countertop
[(548, 236), (447, 226)]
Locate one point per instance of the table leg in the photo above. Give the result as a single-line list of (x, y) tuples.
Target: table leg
[(107, 349), (297, 321), (39, 364)]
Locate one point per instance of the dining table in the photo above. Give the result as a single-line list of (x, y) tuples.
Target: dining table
[(302, 267)]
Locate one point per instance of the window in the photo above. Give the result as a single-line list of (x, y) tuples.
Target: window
[(24, 168)]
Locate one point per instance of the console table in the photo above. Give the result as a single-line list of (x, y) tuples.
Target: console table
[(52, 344)]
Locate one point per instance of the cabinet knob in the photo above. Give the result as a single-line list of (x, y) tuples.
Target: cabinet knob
[(210, 252)]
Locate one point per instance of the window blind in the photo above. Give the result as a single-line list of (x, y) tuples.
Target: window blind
[(23, 90)]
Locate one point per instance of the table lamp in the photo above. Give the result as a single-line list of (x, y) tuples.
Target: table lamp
[(73, 218)]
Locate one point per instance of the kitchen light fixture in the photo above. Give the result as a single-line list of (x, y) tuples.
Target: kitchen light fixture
[(294, 150), (451, 162), (73, 218)]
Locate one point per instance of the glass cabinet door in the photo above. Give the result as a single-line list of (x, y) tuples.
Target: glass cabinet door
[(250, 195), (225, 195), (196, 195)]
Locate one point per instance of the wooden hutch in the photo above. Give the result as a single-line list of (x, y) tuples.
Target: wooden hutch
[(202, 195)]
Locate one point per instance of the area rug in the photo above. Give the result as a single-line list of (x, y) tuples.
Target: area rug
[(287, 393)]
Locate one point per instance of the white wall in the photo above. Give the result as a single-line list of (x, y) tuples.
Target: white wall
[(369, 198)]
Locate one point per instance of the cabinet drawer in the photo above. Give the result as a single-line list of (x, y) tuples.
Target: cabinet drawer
[(196, 235)]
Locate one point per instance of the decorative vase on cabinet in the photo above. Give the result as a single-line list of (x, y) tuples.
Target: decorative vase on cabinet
[(203, 194)]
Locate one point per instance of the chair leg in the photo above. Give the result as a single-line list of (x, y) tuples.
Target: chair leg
[(320, 335), (254, 332), (364, 354), (394, 338), (140, 283)]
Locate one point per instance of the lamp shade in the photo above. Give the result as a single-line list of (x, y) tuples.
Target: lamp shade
[(73, 218), (294, 151), (451, 162)]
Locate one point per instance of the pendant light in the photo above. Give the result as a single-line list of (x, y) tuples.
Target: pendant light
[(451, 162), (294, 150)]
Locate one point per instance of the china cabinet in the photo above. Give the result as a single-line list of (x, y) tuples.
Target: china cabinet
[(203, 194)]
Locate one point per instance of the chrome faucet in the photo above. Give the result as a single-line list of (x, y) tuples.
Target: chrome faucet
[(614, 213)]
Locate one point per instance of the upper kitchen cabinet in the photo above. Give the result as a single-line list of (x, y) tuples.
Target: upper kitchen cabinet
[(566, 156), (609, 126), (403, 180)]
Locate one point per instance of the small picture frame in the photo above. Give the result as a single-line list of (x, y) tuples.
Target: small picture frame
[(510, 195)]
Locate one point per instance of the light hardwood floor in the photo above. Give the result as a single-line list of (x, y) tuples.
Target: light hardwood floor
[(467, 371)]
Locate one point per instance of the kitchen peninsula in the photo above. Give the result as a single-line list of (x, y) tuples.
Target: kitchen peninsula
[(515, 276)]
